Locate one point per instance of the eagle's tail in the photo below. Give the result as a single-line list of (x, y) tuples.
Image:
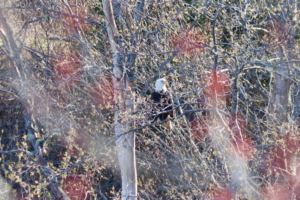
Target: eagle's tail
[(168, 125)]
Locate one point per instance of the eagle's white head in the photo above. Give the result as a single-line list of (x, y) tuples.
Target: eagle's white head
[(160, 85)]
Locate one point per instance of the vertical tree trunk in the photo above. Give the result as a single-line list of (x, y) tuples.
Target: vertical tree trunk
[(296, 103), (16, 61), (281, 92), (281, 97), (124, 101)]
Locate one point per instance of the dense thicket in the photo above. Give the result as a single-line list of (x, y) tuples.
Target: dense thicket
[(233, 71)]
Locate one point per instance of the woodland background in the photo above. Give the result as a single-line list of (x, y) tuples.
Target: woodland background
[(233, 71)]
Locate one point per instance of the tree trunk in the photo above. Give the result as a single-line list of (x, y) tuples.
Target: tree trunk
[(296, 103), (16, 61), (281, 93), (281, 97), (124, 105)]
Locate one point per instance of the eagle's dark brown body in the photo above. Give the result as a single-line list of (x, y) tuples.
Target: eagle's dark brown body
[(162, 104)]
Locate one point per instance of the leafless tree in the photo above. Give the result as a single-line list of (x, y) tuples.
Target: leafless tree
[(75, 82)]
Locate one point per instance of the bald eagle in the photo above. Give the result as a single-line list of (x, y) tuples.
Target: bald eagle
[(162, 101)]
